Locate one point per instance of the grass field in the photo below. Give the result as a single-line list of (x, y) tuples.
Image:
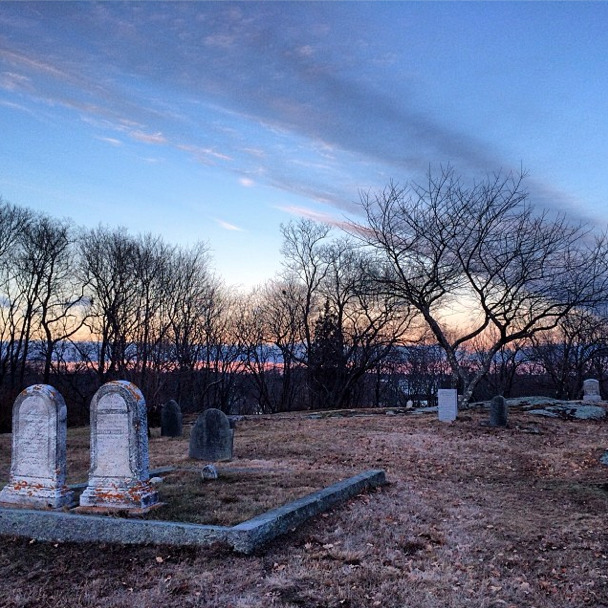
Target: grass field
[(473, 516)]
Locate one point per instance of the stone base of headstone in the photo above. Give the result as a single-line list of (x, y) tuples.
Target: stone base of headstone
[(591, 399), (33, 495), (106, 495)]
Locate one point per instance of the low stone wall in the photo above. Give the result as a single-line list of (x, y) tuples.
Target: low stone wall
[(243, 538)]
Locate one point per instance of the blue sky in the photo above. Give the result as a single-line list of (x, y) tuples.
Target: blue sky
[(217, 121)]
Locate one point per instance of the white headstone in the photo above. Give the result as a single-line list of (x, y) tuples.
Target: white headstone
[(447, 400), (38, 463), (591, 391), (119, 474)]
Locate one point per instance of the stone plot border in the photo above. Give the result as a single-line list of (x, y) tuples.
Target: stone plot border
[(244, 538)]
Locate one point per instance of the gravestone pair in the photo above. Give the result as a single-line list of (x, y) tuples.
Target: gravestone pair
[(119, 472)]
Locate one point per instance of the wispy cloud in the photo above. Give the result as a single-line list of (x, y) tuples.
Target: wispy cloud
[(317, 216), (228, 226), (111, 140), (252, 88), (204, 155), (148, 138)]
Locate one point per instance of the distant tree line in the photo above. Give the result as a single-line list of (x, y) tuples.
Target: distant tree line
[(445, 283)]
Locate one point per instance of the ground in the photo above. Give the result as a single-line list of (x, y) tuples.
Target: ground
[(473, 516)]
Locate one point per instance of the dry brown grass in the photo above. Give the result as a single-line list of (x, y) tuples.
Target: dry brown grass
[(474, 516)]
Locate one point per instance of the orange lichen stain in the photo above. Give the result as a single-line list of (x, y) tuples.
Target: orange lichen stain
[(135, 392), (132, 494)]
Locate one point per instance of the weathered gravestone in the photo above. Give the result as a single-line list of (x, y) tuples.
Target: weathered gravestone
[(211, 437), (38, 462), (498, 411), (591, 391), (447, 400), (171, 420), (119, 473)]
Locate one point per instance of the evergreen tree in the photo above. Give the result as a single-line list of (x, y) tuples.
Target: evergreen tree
[(327, 362)]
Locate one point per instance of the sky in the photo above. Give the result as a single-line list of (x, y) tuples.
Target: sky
[(219, 121)]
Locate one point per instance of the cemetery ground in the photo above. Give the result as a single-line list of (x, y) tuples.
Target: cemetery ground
[(472, 516)]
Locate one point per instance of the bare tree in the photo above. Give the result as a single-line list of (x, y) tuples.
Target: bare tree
[(576, 348), (152, 270), (13, 223), (107, 267), (368, 322), (482, 246), (60, 306), (348, 325), (269, 329), (305, 263)]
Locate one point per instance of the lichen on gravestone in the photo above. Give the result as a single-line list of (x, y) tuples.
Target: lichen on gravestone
[(38, 459), (119, 473)]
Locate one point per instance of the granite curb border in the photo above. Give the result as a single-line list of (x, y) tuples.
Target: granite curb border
[(243, 538)]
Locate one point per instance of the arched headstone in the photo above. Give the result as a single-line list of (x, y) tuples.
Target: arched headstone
[(211, 437), (591, 391), (171, 420), (119, 473), (499, 411), (38, 460)]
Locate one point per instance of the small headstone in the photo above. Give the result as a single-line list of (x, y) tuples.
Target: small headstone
[(119, 473), (211, 437), (209, 472), (591, 391), (447, 400), (498, 411), (171, 420), (409, 405), (38, 462)]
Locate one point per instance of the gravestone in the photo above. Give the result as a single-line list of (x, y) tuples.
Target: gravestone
[(119, 473), (209, 472), (591, 391), (171, 420), (38, 460), (211, 437), (447, 400), (498, 411)]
